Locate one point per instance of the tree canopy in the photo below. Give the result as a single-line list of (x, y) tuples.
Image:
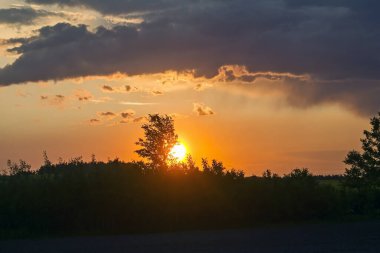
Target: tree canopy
[(160, 137)]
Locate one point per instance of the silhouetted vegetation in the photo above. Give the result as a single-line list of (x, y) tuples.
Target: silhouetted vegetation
[(95, 197), (160, 137), (364, 168)]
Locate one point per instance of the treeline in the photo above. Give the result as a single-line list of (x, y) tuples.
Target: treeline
[(77, 197)]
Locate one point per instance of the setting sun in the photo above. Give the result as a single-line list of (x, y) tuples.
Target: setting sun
[(178, 152)]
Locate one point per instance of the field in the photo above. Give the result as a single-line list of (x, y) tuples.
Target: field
[(349, 237)]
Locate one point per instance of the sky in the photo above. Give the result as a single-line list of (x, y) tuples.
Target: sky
[(261, 84)]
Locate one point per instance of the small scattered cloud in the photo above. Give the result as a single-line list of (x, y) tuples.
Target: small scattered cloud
[(119, 89), (84, 98), (202, 110), (198, 86), (107, 88), (178, 116), (107, 114), (124, 117), (157, 92), (55, 100), (140, 119), (204, 84), (128, 114), (58, 99), (83, 95), (94, 120)]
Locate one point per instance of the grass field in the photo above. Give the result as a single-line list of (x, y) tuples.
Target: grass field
[(349, 237)]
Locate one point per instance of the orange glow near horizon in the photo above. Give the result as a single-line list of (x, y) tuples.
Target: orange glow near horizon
[(251, 129)]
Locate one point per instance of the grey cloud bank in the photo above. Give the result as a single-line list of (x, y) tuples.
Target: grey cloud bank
[(334, 42)]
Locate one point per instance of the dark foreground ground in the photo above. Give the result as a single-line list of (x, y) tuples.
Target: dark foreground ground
[(350, 237)]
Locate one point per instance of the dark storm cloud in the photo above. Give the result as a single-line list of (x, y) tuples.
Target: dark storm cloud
[(24, 15), (131, 6), (120, 6), (331, 40), (361, 97)]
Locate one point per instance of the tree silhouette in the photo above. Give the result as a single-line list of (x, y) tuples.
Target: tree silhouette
[(217, 168), (47, 162), (18, 168), (365, 166), (160, 137)]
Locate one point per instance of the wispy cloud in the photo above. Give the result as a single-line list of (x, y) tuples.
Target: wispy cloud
[(136, 103), (100, 100)]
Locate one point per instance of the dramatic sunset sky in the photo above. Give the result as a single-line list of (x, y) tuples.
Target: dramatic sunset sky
[(260, 84)]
